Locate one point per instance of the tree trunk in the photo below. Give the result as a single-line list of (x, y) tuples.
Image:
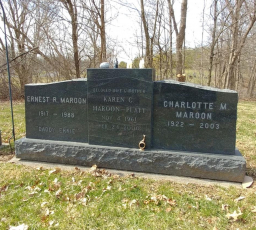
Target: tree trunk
[(170, 34), (237, 44), (252, 80), (145, 27), (149, 40), (97, 14), (103, 32), (180, 34), (212, 43), (72, 10)]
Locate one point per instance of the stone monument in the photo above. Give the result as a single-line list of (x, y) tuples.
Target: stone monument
[(57, 111), (135, 124), (195, 118), (120, 106)]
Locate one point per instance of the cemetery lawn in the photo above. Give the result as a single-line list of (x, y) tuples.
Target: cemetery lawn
[(55, 199)]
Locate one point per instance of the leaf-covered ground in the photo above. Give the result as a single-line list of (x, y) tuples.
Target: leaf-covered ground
[(43, 199)]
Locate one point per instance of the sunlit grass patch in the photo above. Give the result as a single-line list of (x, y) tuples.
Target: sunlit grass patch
[(80, 200), (6, 120), (246, 133)]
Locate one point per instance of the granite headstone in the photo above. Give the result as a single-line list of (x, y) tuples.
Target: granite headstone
[(189, 117), (57, 111), (189, 130), (120, 106)]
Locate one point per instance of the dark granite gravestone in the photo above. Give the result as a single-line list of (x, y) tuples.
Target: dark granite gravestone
[(120, 106), (185, 125), (57, 111), (189, 117)]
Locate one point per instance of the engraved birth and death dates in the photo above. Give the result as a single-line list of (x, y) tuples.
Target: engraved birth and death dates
[(61, 130), (45, 113), (132, 127), (201, 125), (120, 113), (196, 114)]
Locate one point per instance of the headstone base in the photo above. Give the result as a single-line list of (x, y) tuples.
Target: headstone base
[(190, 164)]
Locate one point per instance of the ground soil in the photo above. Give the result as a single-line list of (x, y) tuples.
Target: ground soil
[(6, 155), (4, 158)]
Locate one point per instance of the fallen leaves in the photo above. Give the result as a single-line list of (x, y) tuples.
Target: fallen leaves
[(55, 185), (53, 223), (234, 216), (133, 202), (43, 204), (54, 171), (127, 203), (40, 168), (80, 195), (95, 171), (158, 202), (171, 202), (4, 188), (33, 190), (84, 201), (157, 199), (98, 193), (248, 181), (239, 198), (20, 227), (254, 209), (224, 207), (108, 188), (168, 209), (58, 193), (207, 198), (48, 212)]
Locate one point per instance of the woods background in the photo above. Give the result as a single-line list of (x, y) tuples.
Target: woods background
[(54, 40)]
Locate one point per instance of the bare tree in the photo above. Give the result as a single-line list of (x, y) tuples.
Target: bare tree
[(19, 24), (180, 33), (97, 14), (230, 49), (238, 37), (213, 42), (149, 35), (71, 7), (170, 35), (252, 81)]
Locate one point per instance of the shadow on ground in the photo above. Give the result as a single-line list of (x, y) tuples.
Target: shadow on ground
[(6, 153)]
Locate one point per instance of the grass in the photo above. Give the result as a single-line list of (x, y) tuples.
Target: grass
[(6, 122), (97, 200), (246, 134), (82, 200)]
